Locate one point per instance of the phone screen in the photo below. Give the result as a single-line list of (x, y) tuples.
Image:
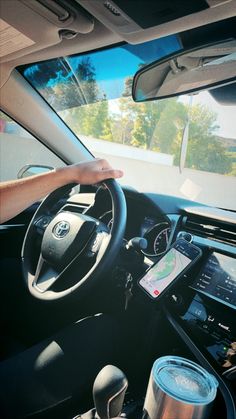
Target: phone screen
[(169, 267)]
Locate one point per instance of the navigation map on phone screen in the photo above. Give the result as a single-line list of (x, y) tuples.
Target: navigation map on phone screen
[(164, 272)]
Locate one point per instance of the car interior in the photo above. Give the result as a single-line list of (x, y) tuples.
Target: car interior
[(99, 250)]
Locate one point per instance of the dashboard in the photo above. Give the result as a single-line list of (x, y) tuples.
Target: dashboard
[(204, 302), (200, 306), (144, 220)]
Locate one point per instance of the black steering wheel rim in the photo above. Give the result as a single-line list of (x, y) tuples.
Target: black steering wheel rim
[(99, 268)]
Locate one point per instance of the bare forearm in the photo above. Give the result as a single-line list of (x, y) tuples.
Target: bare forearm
[(17, 195)]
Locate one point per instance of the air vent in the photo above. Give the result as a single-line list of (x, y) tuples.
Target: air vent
[(211, 229)]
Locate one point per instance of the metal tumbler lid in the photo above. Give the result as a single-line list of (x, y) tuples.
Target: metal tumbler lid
[(184, 380)]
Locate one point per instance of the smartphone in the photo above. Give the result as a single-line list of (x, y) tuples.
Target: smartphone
[(178, 259)]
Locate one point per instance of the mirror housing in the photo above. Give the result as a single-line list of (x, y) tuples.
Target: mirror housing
[(32, 170), (187, 71)]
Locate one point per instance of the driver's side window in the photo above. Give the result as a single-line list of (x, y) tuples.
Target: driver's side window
[(19, 148)]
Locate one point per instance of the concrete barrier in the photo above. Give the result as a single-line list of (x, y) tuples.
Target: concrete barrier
[(158, 175)]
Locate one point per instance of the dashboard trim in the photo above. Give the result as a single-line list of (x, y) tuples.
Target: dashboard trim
[(211, 213)]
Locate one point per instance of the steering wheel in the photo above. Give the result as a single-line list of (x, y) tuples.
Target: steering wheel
[(70, 240)]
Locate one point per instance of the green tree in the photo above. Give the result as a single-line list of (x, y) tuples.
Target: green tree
[(99, 120), (90, 120), (159, 125), (107, 133), (85, 73), (84, 107), (170, 125), (141, 120), (77, 87), (207, 154), (128, 87), (204, 150), (123, 123), (63, 86), (155, 123)]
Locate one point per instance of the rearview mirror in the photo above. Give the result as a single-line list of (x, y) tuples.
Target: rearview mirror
[(186, 72)]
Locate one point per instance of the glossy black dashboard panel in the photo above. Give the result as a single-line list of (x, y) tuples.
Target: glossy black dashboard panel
[(217, 279), (214, 330)]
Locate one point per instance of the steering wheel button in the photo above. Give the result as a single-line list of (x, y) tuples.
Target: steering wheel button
[(43, 222), (96, 243)]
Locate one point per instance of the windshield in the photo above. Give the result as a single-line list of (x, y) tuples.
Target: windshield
[(92, 94)]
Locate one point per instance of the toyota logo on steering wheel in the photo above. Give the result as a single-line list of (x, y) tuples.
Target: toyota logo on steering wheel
[(61, 229)]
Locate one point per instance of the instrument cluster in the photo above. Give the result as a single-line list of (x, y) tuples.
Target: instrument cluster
[(156, 231)]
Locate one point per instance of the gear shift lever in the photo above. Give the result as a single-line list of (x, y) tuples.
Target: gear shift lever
[(109, 392)]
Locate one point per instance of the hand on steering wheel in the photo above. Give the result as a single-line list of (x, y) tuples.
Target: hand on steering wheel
[(69, 239)]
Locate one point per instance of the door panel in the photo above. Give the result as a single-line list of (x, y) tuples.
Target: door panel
[(12, 233)]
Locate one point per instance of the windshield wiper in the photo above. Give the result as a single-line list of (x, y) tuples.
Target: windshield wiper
[(66, 64)]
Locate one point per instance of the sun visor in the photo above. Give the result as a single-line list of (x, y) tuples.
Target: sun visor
[(39, 24)]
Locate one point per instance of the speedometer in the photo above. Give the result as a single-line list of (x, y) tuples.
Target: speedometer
[(158, 239), (161, 241)]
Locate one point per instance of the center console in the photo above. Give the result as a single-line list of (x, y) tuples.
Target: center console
[(211, 315), (217, 279), (215, 333), (201, 308), (202, 313)]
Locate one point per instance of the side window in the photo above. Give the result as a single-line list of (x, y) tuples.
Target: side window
[(19, 148)]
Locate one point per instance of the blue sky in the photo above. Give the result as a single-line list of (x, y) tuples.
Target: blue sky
[(111, 66), (114, 65)]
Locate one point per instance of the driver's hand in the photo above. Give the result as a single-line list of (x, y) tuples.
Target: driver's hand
[(91, 172)]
